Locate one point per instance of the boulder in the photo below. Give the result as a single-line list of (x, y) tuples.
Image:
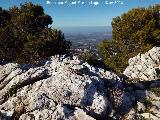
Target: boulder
[(144, 66)]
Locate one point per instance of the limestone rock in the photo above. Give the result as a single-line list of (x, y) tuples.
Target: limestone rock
[(79, 114), (67, 88), (140, 107), (144, 66), (38, 90)]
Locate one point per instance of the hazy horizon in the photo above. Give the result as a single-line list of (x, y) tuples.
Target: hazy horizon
[(85, 29)]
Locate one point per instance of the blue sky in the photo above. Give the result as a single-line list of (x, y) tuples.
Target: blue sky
[(83, 14)]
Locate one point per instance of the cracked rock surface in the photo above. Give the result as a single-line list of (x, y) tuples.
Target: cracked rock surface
[(144, 66), (146, 69), (66, 88), (60, 88)]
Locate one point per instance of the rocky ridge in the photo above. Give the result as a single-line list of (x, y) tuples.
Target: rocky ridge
[(67, 88)]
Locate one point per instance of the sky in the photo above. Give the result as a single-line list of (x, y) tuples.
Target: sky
[(74, 13)]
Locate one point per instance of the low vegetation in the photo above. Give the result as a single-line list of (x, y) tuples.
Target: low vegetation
[(156, 91), (92, 59)]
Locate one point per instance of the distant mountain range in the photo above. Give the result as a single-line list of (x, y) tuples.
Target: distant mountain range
[(87, 29)]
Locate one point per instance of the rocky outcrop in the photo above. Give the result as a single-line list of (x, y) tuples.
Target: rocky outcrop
[(145, 66), (144, 71), (61, 112), (147, 106), (67, 88), (59, 88)]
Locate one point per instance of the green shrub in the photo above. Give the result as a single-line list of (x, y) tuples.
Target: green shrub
[(156, 91), (25, 36), (92, 59), (148, 105), (133, 32)]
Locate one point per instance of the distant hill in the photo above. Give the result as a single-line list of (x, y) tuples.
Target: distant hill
[(84, 36), (88, 29)]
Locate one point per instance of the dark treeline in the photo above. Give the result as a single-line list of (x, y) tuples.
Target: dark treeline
[(133, 32), (25, 36)]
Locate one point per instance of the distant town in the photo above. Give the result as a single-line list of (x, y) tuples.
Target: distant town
[(86, 38)]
